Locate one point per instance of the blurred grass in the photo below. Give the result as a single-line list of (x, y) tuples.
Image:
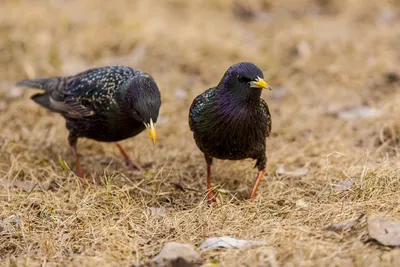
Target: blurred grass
[(318, 55)]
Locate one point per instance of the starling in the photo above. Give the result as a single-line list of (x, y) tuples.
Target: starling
[(231, 121), (107, 104)]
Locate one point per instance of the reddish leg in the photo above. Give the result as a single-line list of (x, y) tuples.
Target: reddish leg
[(210, 194), (79, 171), (257, 183), (128, 160)]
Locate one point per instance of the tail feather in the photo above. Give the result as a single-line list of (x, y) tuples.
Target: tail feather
[(47, 84)]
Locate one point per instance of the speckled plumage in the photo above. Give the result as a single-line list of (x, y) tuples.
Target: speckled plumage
[(106, 104), (231, 121)]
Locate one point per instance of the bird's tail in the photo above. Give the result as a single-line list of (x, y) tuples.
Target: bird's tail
[(47, 84)]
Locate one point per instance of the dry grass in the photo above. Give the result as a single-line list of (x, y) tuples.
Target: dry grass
[(326, 54)]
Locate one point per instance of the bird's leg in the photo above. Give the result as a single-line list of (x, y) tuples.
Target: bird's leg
[(128, 160), (73, 141), (210, 194), (261, 164), (257, 183), (79, 171)]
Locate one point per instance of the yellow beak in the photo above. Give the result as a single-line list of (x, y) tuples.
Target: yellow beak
[(260, 83), (152, 132)]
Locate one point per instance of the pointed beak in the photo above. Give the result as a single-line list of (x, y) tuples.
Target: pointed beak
[(152, 132), (259, 83)]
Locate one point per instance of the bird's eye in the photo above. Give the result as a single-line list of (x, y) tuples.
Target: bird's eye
[(243, 79)]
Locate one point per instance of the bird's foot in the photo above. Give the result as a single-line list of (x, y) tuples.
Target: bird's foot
[(132, 166), (78, 171), (128, 162), (81, 176), (256, 184)]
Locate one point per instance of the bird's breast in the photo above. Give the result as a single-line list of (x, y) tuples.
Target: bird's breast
[(237, 136)]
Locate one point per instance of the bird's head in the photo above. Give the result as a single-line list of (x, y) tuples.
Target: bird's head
[(244, 78), (143, 100)]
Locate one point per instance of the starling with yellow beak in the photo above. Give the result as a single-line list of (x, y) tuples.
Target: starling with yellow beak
[(231, 121), (107, 104)]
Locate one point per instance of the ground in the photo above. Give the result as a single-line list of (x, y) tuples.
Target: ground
[(321, 58)]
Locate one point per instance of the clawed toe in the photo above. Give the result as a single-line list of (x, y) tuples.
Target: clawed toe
[(81, 176), (211, 197)]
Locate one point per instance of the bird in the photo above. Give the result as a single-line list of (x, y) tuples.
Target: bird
[(232, 122), (106, 104)]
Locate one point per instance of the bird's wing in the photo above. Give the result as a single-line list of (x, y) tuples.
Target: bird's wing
[(265, 110), (81, 95), (86, 93), (197, 106)]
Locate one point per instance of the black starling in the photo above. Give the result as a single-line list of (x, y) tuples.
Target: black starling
[(232, 121), (106, 104)]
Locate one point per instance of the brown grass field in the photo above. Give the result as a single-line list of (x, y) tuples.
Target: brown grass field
[(319, 56)]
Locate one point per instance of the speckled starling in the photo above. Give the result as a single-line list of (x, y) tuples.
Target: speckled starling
[(231, 121), (107, 104)]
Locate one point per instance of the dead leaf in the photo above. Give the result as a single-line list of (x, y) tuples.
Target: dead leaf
[(228, 242), (180, 94), (298, 172), (303, 49), (355, 113), (385, 231), (11, 225), (344, 225), (279, 92), (176, 263), (301, 203), (155, 211), (28, 185), (162, 120), (344, 185), (386, 15), (175, 255), (9, 91), (14, 92)]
